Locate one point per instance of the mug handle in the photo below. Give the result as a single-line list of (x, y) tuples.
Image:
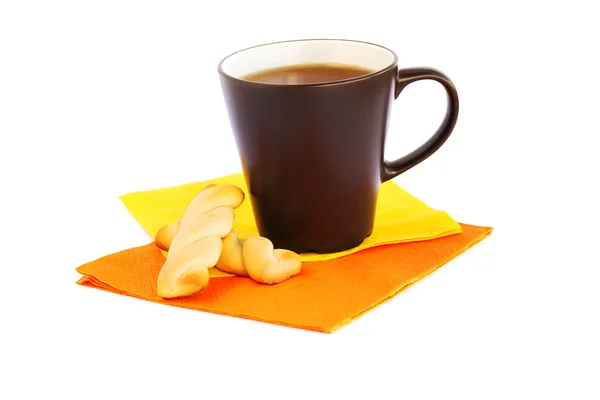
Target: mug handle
[(406, 77)]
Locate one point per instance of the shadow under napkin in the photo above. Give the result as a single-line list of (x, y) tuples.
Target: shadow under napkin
[(323, 297)]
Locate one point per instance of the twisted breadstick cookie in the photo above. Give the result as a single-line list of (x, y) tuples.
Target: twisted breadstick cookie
[(165, 235), (267, 265), (231, 259), (204, 237), (196, 244), (256, 258)]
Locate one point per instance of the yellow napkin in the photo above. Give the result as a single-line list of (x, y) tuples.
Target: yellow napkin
[(400, 217)]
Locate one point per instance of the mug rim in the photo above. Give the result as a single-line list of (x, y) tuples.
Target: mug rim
[(378, 72)]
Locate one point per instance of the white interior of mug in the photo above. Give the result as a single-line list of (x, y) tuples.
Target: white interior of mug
[(317, 51)]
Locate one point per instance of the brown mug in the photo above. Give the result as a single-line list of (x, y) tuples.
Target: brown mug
[(313, 154)]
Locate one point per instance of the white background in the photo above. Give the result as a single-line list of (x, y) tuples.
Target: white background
[(101, 98)]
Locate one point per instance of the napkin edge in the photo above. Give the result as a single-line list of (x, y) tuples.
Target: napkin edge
[(487, 233)]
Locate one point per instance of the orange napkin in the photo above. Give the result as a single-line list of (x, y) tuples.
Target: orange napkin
[(323, 297)]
